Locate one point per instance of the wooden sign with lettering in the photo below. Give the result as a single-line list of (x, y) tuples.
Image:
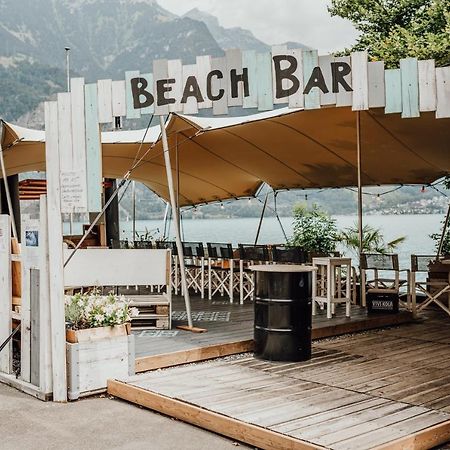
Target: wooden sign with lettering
[(73, 192)]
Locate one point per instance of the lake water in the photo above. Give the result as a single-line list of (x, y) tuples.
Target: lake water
[(416, 228)]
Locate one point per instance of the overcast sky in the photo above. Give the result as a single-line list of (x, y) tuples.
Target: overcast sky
[(277, 21)]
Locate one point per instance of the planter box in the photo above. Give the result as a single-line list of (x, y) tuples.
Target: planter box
[(98, 355), (96, 334)]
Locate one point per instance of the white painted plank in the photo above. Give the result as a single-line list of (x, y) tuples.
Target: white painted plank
[(344, 97), (160, 72), (132, 113), (393, 90), (219, 86), (104, 92), (360, 81), (56, 282), (175, 72), (328, 98), (79, 136), (234, 62), (203, 68), (94, 153), (65, 131), (375, 71), (119, 102), (265, 82), (427, 85), (296, 100), (190, 73), (279, 50), (249, 62), (310, 62), (443, 92), (410, 87), (102, 267), (148, 77), (45, 376), (6, 290)]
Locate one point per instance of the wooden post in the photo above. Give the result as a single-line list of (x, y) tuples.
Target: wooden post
[(6, 292), (112, 213), (360, 201), (45, 341), (176, 221), (55, 248)]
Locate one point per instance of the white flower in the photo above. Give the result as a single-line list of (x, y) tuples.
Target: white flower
[(134, 312)]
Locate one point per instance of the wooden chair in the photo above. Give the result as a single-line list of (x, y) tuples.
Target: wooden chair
[(221, 274), (194, 255), (250, 254), (386, 277), (175, 270), (282, 254), (432, 289)]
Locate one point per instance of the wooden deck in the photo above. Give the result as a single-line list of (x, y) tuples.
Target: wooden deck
[(230, 331), (381, 389)]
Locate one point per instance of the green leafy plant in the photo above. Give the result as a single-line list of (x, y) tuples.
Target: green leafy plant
[(445, 245), (91, 310), (314, 230), (395, 29), (373, 240)]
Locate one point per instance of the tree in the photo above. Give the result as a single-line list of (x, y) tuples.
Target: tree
[(314, 230), (395, 29)]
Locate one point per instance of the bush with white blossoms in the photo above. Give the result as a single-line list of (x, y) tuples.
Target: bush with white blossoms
[(91, 310)]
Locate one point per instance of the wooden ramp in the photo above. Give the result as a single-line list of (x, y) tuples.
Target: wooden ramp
[(232, 332), (384, 389)]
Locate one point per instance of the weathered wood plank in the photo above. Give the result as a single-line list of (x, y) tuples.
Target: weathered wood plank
[(343, 97), (410, 87), (191, 105), (427, 85), (119, 101), (219, 86), (360, 81), (56, 281), (6, 290), (203, 68), (328, 98), (160, 72), (249, 62), (79, 136), (310, 62), (443, 92), (175, 72), (217, 423), (376, 84), (296, 100), (148, 77), (131, 112), (265, 95), (65, 132), (393, 86), (279, 50), (104, 101), (93, 147)]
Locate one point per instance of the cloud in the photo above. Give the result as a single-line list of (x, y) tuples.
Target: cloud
[(305, 21)]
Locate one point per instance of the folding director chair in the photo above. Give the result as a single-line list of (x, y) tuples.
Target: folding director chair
[(221, 274)]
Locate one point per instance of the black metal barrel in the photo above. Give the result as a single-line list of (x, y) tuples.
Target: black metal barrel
[(283, 312)]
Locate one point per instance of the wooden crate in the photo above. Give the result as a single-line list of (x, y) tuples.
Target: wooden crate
[(90, 364), (150, 323), (154, 312)]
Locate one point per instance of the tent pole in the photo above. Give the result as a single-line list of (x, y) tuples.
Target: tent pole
[(360, 201), (133, 207), (275, 193), (166, 215), (8, 195), (176, 221), (444, 231), (261, 218)]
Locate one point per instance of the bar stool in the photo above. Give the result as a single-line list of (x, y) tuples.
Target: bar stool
[(330, 285)]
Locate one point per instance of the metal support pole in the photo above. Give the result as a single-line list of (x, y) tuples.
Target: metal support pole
[(176, 220), (133, 209), (360, 201), (166, 217), (261, 218), (275, 193), (8, 195)]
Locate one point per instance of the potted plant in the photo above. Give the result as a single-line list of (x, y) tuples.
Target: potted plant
[(437, 271), (99, 344)]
